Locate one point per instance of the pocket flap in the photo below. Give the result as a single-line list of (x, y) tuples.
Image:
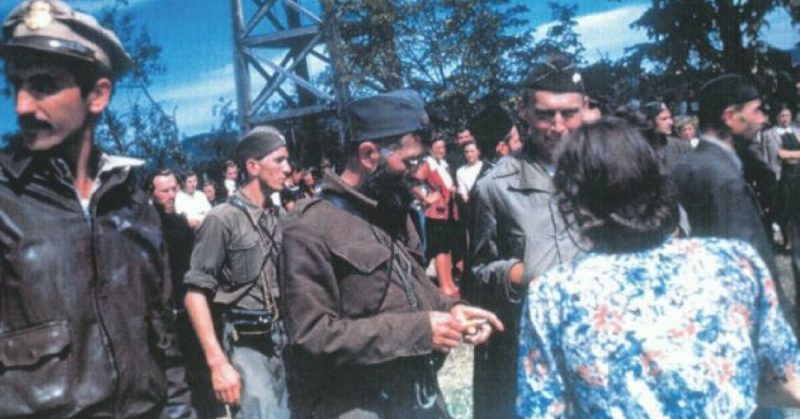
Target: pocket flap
[(26, 347), (362, 258)]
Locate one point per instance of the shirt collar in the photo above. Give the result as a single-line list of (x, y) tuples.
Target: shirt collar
[(252, 209), (19, 160)]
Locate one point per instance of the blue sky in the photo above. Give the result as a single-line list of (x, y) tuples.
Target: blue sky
[(197, 48)]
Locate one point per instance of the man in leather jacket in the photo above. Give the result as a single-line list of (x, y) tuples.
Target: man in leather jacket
[(85, 328), (366, 327)]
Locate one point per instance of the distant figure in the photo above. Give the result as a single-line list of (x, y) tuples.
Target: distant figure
[(210, 191), (658, 131), (646, 325), (191, 202), (230, 180), (686, 128), (495, 133)]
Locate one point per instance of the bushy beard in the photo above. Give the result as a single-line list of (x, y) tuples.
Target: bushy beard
[(542, 147), (392, 191)]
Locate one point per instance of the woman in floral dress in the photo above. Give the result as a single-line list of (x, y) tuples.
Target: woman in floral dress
[(646, 325)]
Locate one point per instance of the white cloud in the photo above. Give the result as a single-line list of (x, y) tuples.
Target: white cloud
[(606, 33), (193, 100)]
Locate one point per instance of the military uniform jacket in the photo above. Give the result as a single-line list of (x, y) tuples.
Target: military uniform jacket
[(353, 333), (229, 253), (85, 329)]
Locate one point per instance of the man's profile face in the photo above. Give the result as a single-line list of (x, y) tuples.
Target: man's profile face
[(747, 120), (273, 169), (663, 122), (164, 190), (48, 102), (191, 184)]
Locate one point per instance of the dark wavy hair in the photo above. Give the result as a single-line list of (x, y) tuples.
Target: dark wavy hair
[(608, 182)]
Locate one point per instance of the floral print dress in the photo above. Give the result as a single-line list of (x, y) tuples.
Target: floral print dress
[(685, 329)]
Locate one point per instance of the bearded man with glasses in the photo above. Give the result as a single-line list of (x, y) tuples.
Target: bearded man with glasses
[(367, 329), (517, 230)]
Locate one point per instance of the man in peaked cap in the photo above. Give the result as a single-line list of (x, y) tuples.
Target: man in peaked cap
[(86, 329), (518, 232), (232, 284), (367, 329)]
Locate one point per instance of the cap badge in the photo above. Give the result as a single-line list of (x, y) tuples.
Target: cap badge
[(39, 15)]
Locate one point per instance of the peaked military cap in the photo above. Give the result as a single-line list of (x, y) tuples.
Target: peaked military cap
[(52, 26)]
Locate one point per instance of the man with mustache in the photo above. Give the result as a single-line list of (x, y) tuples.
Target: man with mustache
[(367, 329), (85, 326), (518, 232), (233, 274)]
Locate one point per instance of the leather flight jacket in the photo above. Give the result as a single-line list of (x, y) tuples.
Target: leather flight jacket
[(85, 327)]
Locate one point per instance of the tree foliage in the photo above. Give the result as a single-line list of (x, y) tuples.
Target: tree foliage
[(691, 41), (140, 127), (453, 52)]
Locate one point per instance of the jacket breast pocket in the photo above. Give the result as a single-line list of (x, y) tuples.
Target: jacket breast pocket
[(35, 372), (246, 259), (362, 278)]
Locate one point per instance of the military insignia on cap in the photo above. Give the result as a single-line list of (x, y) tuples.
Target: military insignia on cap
[(39, 15)]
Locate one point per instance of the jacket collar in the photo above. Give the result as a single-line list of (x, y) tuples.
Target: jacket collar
[(717, 144), (334, 183), (19, 159), (532, 175)]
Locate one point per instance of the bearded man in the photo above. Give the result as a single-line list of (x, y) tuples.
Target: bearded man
[(367, 329), (518, 232)]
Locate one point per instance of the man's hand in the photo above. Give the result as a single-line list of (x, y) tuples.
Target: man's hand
[(476, 322), (447, 331), (226, 383)]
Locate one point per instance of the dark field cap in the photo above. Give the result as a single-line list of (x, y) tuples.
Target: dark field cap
[(726, 90), (558, 74), (52, 26), (386, 115), (258, 142), (490, 125)]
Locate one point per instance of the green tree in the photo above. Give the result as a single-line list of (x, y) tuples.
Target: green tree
[(140, 127), (693, 40), (453, 52), (562, 37)]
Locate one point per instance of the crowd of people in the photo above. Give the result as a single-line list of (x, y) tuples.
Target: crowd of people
[(605, 261)]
